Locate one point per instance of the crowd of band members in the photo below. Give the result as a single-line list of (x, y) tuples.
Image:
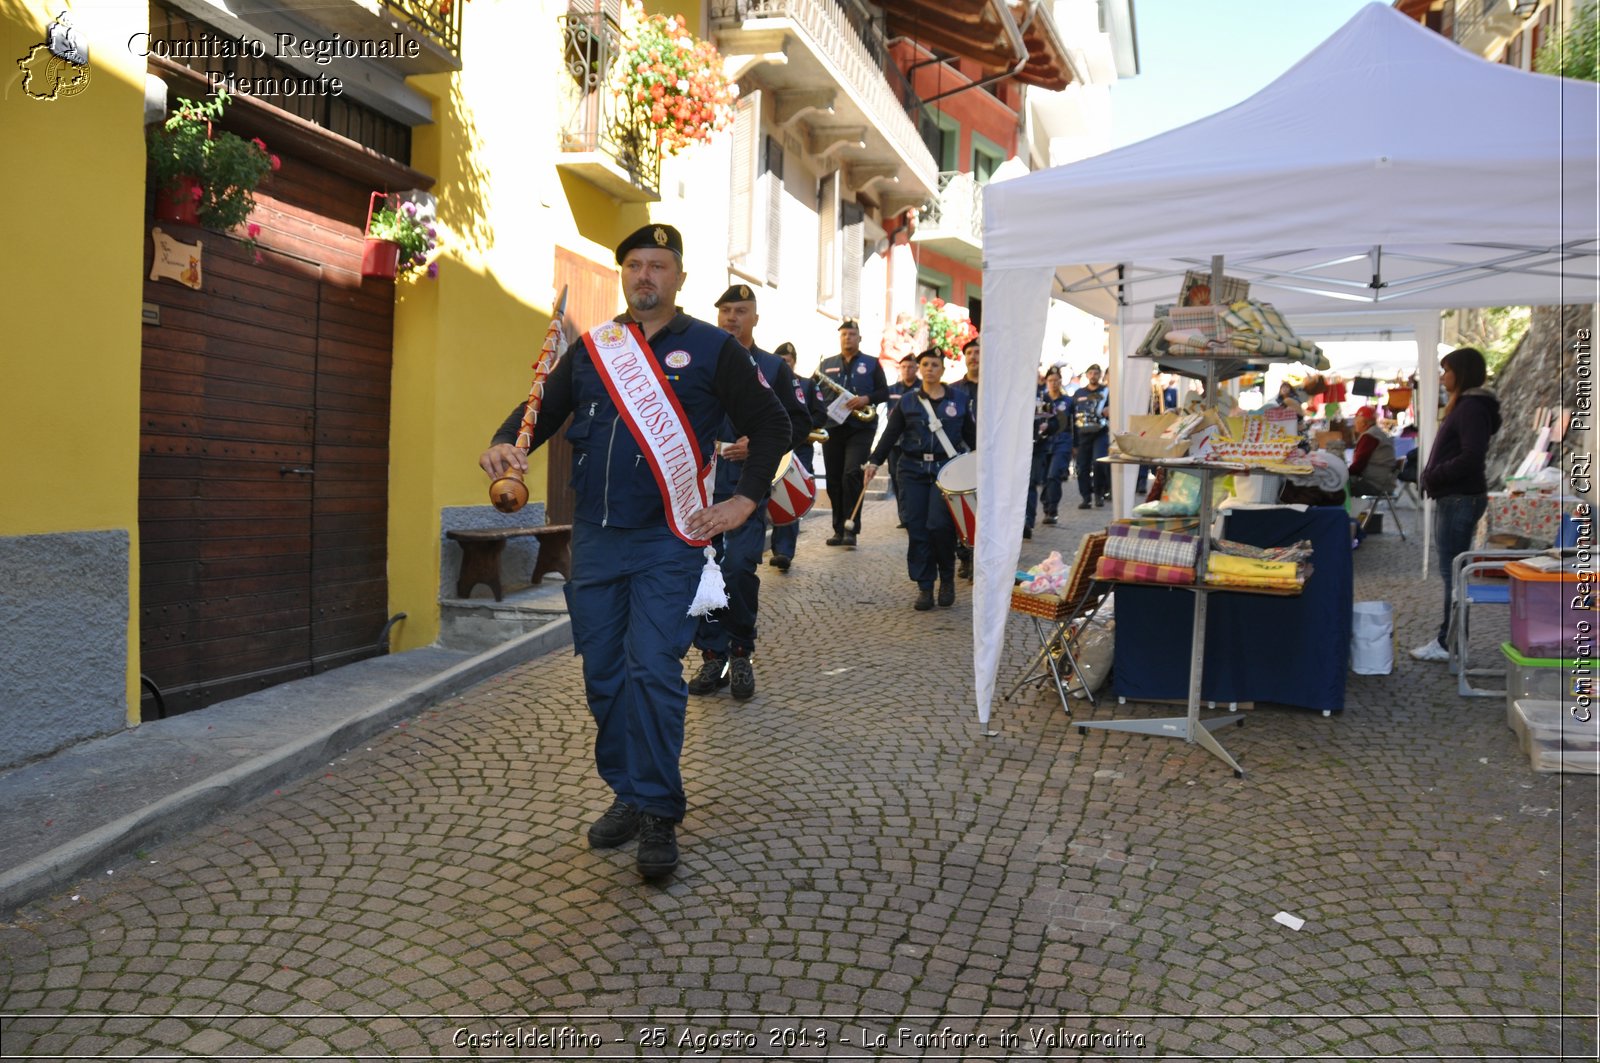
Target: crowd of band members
[(1071, 430)]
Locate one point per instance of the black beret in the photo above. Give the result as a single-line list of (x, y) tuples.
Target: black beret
[(786, 348), (736, 293), (931, 352), (663, 237), (849, 322), (908, 358)]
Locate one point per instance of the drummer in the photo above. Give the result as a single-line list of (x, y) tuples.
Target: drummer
[(786, 537), (726, 637), (930, 425)]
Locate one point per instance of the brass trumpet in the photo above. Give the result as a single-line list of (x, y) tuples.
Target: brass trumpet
[(818, 435), (866, 413)]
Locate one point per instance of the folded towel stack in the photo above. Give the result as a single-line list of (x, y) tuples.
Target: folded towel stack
[(1229, 570)]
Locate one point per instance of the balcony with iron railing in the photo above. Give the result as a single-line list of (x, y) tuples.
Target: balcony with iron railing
[(842, 54), (602, 137), (952, 223), (1481, 25), (435, 26)]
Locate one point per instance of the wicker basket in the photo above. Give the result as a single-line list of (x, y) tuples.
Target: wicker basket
[(1047, 606)]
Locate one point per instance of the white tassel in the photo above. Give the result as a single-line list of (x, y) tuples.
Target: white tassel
[(712, 593)]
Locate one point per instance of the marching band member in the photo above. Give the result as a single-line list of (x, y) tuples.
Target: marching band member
[(850, 440), (1052, 450), (786, 537), (907, 382), (931, 425), (726, 637), (972, 354), (640, 444)]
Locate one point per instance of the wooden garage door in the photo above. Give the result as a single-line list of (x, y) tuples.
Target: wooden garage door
[(264, 457)]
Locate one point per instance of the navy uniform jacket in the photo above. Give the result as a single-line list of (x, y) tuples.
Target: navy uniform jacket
[(863, 376), (791, 396), (1088, 413), (1052, 423), (712, 376), (908, 427)]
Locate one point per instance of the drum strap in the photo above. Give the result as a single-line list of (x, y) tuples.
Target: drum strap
[(937, 426)]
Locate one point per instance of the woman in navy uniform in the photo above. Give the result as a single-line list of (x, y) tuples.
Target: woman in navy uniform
[(925, 447), (786, 537), (633, 579)]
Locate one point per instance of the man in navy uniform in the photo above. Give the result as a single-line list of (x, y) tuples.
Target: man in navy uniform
[(931, 425), (726, 637), (786, 537), (972, 352), (646, 395), (845, 452), (1090, 439), (907, 382)]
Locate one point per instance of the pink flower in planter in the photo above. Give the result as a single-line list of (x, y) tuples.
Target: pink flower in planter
[(258, 142), (253, 229), (277, 163), (195, 192)]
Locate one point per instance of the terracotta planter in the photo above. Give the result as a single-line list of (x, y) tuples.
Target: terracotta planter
[(180, 204), (380, 258)]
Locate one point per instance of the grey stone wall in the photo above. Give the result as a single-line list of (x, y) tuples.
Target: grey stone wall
[(1541, 372), (516, 564), (63, 640)]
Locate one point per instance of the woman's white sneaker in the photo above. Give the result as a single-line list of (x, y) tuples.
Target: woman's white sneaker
[(1431, 651)]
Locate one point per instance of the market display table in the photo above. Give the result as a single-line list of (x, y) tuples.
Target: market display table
[(1286, 650), (1536, 517)]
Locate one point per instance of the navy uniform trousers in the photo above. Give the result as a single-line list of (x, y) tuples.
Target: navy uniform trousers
[(629, 600), (932, 549), (733, 627)]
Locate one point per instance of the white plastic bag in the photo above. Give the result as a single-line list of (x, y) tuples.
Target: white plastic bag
[(1372, 638)]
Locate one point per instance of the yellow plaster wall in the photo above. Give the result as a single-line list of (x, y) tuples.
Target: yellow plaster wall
[(69, 410), (465, 343)]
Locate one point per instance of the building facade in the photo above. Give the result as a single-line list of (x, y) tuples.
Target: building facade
[(243, 473)]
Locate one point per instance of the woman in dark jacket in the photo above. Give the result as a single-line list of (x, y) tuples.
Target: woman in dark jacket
[(1454, 476)]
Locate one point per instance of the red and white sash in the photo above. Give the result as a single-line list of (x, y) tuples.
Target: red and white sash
[(651, 411)]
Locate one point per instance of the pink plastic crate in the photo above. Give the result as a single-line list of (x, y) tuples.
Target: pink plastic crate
[(1548, 608)]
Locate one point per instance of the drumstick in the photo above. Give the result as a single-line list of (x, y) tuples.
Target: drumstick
[(862, 497)]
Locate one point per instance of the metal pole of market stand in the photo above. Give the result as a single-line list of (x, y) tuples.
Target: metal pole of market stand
[(1189, 726)]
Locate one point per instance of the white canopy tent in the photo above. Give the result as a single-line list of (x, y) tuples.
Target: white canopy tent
[(1386, 176)]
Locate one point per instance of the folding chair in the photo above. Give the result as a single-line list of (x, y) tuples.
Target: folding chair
[(1478, 577), (1056, 659), (1389, 497)]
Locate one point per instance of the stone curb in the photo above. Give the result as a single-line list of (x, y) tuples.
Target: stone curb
[(195, 804)]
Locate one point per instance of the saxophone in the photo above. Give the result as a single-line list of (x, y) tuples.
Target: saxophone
[(866, 413)]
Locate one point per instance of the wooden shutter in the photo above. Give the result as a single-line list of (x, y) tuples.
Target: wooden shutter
[(853, 250), (773, 179), (741, 193), (828, 239)]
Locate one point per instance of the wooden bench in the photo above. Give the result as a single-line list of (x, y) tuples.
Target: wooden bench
[(481, 549)]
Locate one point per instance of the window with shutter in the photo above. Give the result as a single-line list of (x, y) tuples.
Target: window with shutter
[(772, 167), (853, 247), (827, 240), (741, 193)]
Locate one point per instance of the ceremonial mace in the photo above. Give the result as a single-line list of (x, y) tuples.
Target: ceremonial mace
[(509, 493)]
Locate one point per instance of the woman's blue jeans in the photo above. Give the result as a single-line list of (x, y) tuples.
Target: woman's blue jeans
[(1454, 518)]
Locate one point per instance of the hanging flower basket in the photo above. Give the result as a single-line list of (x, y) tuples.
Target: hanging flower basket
[(180, 204), (380, 258), (1398, 399), (400, 239)]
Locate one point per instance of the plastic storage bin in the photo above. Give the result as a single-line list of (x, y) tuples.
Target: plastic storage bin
[(1545, 678), (1555, 740), (1547, 608)]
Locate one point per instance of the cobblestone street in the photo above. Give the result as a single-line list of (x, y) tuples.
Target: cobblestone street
[(864, 874)]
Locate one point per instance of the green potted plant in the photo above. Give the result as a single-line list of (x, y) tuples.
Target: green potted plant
[(201, 176), (671, 81), (398, 239)]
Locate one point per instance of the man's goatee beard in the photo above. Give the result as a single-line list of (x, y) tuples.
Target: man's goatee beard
[(644, 301)]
